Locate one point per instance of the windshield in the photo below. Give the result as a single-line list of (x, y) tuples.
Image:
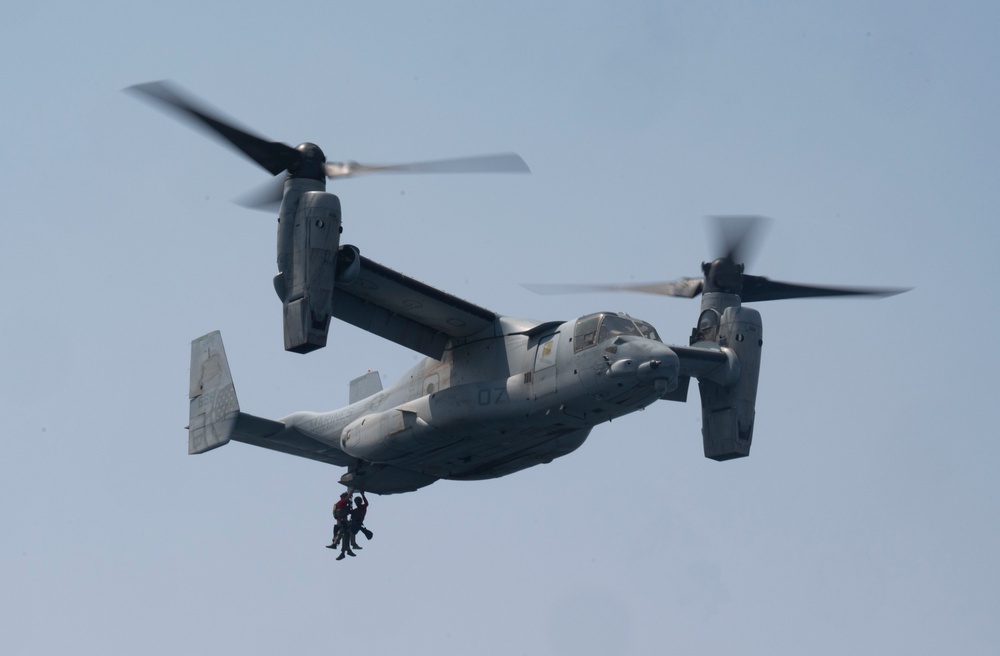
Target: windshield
[(647, 330), (595, 328), (614, 326)]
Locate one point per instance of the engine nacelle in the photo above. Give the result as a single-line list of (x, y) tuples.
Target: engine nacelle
[(728, 411), (306, 284)]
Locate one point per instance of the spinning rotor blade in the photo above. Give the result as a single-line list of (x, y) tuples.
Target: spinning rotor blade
[(755, 289), (737, 237), (685, 288), (306, 160), (268, 196), (499, 163), (273, 156), (759, 288)]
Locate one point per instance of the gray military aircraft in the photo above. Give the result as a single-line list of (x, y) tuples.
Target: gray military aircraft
[(495, 394)]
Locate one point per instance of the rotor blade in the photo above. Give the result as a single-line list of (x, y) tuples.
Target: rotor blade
[(266, 197), (499, 163), (737, 236), (275, 157), (685, 288), (759, 288)]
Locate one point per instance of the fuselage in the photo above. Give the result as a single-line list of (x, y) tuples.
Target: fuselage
[(522, 395)]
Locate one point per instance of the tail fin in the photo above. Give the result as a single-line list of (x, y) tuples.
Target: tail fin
[(213, 406), (365, 386)]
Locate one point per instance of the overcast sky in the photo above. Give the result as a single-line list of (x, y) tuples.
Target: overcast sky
[(865, 520)]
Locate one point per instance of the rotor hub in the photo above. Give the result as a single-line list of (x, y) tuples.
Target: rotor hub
[(723, 275), (310, 165)]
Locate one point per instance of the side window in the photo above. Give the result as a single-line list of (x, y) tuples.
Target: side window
[(585, 334), (545, 356), (647, 330)]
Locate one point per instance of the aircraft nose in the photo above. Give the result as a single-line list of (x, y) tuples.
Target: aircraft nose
[(645, 360)]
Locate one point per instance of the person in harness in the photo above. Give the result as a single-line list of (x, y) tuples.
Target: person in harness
[(342, 528), (357, 522)]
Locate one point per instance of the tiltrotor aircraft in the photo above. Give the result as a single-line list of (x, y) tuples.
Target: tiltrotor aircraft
[(495, 394)]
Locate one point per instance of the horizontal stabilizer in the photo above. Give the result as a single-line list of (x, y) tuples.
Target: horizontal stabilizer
[(276, 436), (216, 418)]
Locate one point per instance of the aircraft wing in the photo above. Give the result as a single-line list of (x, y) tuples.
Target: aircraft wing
[(706, 360), (406, 311)]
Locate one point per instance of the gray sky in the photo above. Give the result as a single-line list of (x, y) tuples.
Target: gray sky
[(864, 522)]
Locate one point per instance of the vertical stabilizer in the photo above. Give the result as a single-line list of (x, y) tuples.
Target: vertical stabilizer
[(365, 386), (213, 405)]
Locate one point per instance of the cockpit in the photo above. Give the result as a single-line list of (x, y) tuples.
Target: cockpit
[(602, 326)]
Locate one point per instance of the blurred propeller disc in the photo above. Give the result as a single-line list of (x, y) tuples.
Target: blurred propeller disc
[(273, 156), (307, 160), (737, 238), (266, 196), (684, 287), (499, 163)]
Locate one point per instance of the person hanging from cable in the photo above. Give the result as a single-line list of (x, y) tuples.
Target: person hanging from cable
[(357, 523), (341, 529)]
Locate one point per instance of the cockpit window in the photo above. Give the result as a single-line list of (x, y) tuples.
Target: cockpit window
[(615, 326), (586, 332), (595, 328), (647, 331)]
